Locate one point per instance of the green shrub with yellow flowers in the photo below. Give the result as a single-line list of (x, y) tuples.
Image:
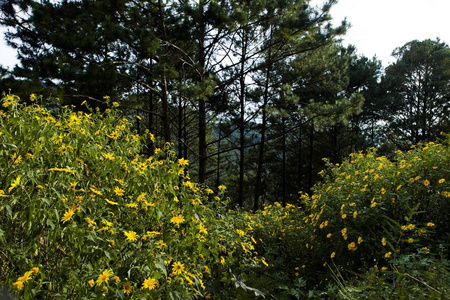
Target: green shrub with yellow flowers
[(374, 228), (85, 215)]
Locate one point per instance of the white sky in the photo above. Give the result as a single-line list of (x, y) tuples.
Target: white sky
[(378, 26)]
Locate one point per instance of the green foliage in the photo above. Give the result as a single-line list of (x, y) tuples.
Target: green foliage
[(85, 216), (371, 208), (375, 228)]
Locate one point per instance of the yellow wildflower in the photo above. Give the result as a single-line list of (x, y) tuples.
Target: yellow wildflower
[(104, 277), (118, 191), (131, 235), (111, 202), (183, 162), (91, 282), (149, 284), (67, 215), (352, 246), (15, 183), (430, 224), (263, 260), (426, 250), (177, 220), (127, 288), (177, 268), (387, 255)]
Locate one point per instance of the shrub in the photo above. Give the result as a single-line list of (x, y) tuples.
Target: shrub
[(84, 215), (370, 210)]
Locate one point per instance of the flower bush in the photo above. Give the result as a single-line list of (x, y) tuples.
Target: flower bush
[(371, 209), (85, 215)]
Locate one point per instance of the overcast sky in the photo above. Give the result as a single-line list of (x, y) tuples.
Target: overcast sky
[(380, 26), (377, 26)]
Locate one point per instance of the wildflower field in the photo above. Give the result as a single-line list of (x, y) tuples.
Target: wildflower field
[(85, 214)]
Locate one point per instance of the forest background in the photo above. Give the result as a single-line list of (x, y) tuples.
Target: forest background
[(253, 93)]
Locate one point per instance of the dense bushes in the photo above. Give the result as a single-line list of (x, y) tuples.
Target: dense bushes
[(84, 215), (384, 220)]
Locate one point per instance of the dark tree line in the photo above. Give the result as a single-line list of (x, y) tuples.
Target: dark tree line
[(253, 93)]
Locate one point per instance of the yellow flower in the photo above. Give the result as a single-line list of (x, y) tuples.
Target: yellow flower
[(441, 180), (131, 235), (116, 279), (67, 215), (35, 270), (177, 220), (196, 201), (410, 240), (360, 240), (344, 216), (3, 194), (177, 268), (383, 241), (222, 260), (108, 156), (430, 224), (240, 232), (203, 230), (328, 235), (426, 182), (94, 190), (183, 162), (333, 255), (263, 260), (118, 191), (14, 183), (91, 282), (141, 197), (355, 214), (426, 250), (127, 288), (18, 285), (104, 277), (387, 255), (111, 202), (150, 234), (222, 187), (149, 284), (352, 246), (114, 135)]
